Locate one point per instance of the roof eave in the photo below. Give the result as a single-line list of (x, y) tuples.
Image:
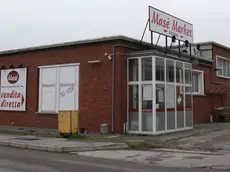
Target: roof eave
[(73, 43)]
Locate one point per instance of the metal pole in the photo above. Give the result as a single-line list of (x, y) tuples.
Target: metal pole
[(179, 47), (152, 38), (158, 39), (166, 42), (144, 31), (113, 89)]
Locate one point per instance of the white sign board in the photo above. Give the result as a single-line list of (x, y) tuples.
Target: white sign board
[(166, 24), (13, 89)]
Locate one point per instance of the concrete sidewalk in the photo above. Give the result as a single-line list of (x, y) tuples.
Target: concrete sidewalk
[(213, 137), (166, 158), (57, 144)]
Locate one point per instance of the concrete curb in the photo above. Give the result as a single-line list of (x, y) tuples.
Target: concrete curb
[(60, 149), (188, 151)]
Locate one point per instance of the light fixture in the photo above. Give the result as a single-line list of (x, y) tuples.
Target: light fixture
[(173, 38), (186, 44), (108, 56), (172, 43), (198, 47), (196, 52), (185, 51)]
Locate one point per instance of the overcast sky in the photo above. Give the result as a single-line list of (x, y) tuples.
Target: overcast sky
[(26, 23)]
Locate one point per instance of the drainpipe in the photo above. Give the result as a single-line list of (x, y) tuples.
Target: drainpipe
[(113, 79)]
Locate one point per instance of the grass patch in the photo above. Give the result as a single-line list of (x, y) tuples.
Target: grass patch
[(135, 145), (12, 132), (140, 145)]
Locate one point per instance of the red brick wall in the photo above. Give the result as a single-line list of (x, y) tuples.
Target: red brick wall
[(224, 53), (203, 105), (94, 91)]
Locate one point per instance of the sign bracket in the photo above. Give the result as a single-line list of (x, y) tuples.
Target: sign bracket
[(145, 31)]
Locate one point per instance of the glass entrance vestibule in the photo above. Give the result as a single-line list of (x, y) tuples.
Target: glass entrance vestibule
[(159, 95)]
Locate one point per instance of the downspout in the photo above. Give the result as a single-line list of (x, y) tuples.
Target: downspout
[(113, 79), (212, 96)]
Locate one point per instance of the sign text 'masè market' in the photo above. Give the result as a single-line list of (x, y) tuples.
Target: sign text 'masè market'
[(168, 25)]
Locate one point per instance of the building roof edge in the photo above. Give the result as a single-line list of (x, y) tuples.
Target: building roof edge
[(72, 43)]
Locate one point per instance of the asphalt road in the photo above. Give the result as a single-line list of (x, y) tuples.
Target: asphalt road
[(21, 160)]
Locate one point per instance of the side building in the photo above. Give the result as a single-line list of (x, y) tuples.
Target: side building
[(211, 86)]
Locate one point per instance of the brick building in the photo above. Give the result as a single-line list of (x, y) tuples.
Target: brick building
[(216, 82), (115, 80)]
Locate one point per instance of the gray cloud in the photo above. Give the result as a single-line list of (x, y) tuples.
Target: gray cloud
[(28, 23)]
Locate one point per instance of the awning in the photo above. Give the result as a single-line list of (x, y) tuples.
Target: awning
[(219, 89)]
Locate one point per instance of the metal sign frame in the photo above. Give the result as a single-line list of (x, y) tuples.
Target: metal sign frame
[(181, 43)]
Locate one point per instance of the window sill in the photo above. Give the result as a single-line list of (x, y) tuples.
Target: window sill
[(223, 77), (195, 94), (46, 113)]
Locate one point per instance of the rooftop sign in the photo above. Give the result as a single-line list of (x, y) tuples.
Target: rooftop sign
[(168, 25)]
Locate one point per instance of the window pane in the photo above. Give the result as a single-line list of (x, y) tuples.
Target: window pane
[(133, 107), (147, 107), (219, 65), (170, 92), (188, 90), (159, 69), (195, 82), (228, 68), (188, 110), (180, 106), (48, 102), (170, 95), (219, 62), (170, 70), (67, 75), (179, 72), (188, 66), (133, 69), (49, 76), (187, 76), (225, 68), (146, 69), (67, 98), (160, 107)]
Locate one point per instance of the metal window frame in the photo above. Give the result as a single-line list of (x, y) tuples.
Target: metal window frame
[(154, 82), (57, 86)]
